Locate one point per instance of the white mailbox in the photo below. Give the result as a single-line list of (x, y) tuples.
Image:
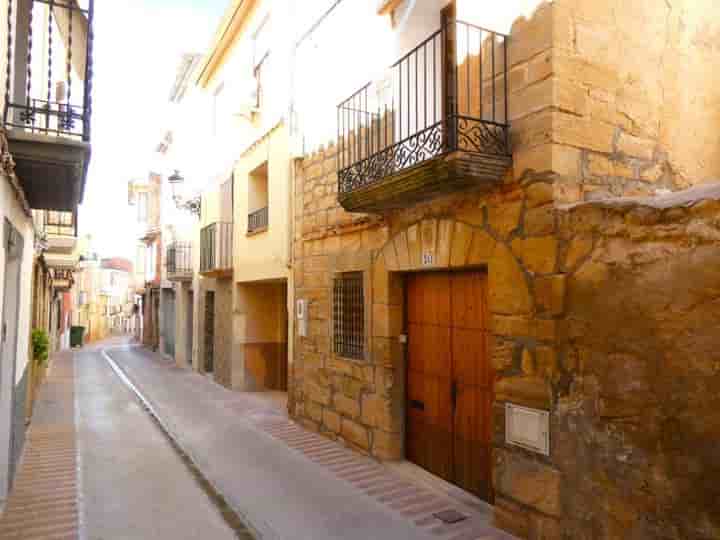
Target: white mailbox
[(301, 316), (528, 428)]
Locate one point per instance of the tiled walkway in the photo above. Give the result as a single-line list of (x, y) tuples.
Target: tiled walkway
[(43, 503)]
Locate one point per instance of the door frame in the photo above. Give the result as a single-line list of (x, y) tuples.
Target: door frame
[(8, 353)]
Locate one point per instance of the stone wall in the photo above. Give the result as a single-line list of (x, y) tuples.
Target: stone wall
[(618, 99), (635, 410)]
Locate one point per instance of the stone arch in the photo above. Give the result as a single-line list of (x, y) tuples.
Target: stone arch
[(432, 244)]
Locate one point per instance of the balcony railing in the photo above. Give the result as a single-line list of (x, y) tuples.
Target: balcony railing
[(178, 261), (49, 67), (447, 95), (63, 278), (216, 243), (258, 220)]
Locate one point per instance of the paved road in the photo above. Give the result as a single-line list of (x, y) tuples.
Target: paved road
[(287, 483), (134, 484)]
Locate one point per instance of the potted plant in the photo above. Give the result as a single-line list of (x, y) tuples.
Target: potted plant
[(40, 345)]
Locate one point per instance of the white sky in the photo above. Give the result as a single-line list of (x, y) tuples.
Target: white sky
[(138, 44)]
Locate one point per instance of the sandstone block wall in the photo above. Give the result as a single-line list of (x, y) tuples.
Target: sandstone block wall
[(635, 421)]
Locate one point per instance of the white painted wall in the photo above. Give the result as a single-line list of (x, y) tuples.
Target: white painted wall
[(11, 209), (354, 45)]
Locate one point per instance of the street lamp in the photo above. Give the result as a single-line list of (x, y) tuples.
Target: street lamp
[(192, 205)]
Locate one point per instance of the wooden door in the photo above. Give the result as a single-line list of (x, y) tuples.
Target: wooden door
[(209, 331), (449, 386)]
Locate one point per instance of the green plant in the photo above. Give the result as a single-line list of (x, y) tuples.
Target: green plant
[(40, 345)]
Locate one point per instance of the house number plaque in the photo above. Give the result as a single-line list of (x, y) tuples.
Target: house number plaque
[(428, 258)]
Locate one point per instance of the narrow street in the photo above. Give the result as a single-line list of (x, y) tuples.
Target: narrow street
[(153, 493), (133, 481)]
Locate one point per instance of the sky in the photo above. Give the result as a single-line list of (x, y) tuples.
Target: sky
[(137, 48)]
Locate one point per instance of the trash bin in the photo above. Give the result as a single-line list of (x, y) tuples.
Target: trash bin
[(76, 336)]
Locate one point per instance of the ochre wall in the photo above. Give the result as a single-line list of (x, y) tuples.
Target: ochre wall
[(635, 422)]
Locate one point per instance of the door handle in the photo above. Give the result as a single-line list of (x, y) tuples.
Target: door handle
[(415, 404), (454, 393)]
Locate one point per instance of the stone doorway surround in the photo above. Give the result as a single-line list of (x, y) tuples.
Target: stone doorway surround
[(450, 244)]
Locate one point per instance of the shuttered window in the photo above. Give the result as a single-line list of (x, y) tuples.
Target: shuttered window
[(349, 315)]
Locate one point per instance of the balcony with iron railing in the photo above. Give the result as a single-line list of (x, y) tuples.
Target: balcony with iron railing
[(178, 261), (48, 98), (216, 249), (436, 124), (62, 279)]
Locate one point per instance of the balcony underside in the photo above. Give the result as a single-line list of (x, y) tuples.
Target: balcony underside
[(52, 170), (62, 285), (217, 273), (61, 261), (443, 175), (61, 244), (180, 276)]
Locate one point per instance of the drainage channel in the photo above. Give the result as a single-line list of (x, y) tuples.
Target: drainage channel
[(231, 518)]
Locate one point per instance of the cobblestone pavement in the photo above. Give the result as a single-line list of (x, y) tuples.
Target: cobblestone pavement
[(286, 482)]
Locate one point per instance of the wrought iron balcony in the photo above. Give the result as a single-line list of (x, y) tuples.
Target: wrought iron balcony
[(48, 98), (216, 247), (258, 220), (435, 124), (62, 279), (178, 261)]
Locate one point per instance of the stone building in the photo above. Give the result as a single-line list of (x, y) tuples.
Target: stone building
[(513, 314)]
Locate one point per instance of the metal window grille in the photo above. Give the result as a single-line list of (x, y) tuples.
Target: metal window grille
[(349, 315)]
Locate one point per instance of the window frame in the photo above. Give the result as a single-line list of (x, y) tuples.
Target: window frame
[(348, 308)]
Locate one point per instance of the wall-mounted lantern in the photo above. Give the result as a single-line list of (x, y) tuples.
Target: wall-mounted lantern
[(193, 204)]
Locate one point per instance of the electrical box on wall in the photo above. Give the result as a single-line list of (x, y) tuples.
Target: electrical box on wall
[(528, 428), (301, 316)]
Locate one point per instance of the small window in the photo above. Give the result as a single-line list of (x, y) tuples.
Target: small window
[(349, 315), (260, 74), (142, 207), (261, 50), (258, 217)]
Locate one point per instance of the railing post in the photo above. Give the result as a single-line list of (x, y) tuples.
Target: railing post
[(449, 76), (87, 91)]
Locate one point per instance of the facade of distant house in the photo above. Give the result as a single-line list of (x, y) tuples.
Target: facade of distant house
[(45, 102), (146, 197)]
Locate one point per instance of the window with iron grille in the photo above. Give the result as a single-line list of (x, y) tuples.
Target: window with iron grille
[(349, 315)]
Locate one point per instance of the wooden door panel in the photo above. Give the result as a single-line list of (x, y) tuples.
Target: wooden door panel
[(469, 357), (428, 299), (468, 300), (429, 349)]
